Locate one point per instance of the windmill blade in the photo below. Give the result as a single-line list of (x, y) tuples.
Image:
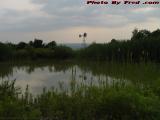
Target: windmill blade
[(85, 35), (80, 35)]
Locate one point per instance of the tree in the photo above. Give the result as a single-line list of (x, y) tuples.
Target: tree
[(140, 35), (113, 41), (21, 45), (156, 33), (134, 34), (5, 51), (38, 43), (51, 45)]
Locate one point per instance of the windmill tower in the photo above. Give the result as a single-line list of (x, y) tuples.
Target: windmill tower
[(84, 39)]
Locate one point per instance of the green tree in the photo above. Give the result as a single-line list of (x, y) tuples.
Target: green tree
[(38, 43), (51, 45), (21, 45)]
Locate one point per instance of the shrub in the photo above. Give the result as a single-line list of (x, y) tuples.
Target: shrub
[(63, 52), (5, 52)]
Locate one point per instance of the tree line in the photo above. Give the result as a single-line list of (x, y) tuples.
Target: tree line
[(34, 50), (143, 46)]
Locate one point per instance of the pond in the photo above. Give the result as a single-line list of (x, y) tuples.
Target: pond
[(51, 74)]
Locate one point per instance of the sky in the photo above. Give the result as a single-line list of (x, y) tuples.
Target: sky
[(63, 20)]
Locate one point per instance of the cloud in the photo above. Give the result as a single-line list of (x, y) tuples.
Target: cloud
[(29, 16), (71, 13), (75, 13)]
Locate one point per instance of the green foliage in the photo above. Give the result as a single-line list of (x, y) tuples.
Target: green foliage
[(21, 45), (41, 53), (5, 52), (144, 46), (35, 50), (38, 43), (51, 45), (139, 35), (21, 53), (63, 52), (83, 103), (12, 106)]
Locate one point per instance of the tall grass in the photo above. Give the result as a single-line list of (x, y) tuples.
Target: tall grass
[(80, 102)]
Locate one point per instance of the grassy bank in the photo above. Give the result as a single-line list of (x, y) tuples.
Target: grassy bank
[(80, 102)]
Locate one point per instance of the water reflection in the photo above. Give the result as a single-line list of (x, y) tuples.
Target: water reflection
[(48, 74)]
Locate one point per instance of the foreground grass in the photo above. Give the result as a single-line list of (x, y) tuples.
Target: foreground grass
[(80, 102)]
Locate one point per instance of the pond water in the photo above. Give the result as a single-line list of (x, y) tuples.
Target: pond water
[(50, 74)]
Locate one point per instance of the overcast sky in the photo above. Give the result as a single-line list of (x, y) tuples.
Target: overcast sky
[(64, 20)]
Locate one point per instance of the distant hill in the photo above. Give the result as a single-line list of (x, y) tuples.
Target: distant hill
[(74, 45)]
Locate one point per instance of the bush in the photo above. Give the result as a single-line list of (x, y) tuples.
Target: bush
[(21, 54), (43, 53), (63, 52), (5, 52)]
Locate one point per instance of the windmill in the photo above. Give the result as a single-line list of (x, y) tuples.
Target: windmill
[(84, 35)]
